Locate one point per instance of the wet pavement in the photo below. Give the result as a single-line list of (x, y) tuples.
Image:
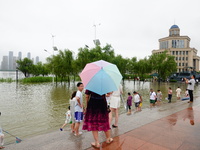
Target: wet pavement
[(168, 127)]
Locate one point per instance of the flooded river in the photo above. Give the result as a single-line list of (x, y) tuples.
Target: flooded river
[(32, 109)]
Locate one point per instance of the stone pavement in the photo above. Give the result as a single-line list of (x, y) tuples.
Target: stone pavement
[(168, 127)]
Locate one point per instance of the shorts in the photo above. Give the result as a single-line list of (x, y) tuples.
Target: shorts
[(78, 116), (114, 102), (137, 104), (68, 121), (152, 101)]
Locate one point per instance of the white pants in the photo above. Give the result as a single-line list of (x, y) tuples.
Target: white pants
[(1, 139)]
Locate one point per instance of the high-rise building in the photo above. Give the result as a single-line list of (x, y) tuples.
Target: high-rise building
[(14, 62), (19, 56), (10, 60), (179, 46), (29, 55), (37, 59), (33, 60), (4, 63)]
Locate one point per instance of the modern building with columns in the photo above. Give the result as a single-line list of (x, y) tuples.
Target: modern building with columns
[(179, 46)]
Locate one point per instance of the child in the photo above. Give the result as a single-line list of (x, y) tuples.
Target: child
[(68, 119), (140, 106), (72, 109), (159, 97), (129, 103), (170, 94), (78, 108), (153, 97), (136, 100), (1, 137), (178, 93), (186, 93)]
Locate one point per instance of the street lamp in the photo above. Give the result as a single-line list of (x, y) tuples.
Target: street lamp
[(96, 41), (54, 49)]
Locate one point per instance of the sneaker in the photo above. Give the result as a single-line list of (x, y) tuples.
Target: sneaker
[(80, 133), (61, 129)]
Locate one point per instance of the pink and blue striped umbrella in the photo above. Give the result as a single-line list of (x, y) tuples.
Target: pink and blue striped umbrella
[(101, 77)]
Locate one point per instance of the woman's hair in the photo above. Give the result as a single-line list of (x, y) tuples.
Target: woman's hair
[(73, 94), (129, 93), (170, 88)]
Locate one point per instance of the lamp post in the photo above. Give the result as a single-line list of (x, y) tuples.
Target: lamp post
[(96, 41), (54, 49)]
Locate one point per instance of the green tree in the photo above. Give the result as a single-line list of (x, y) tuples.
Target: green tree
[(163, 64), (25, 66)]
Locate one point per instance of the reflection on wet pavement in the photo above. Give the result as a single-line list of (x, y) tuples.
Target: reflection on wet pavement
[(180, 131)]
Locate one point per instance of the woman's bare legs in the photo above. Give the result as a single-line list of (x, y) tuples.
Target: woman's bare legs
[(116, 116), (96, 139)]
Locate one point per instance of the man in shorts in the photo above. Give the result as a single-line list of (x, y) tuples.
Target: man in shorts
[(78, 108), (152, 98)]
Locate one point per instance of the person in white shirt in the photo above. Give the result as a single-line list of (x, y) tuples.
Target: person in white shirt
[(68, 119), (78, 108), (152, 95), (178, 93), (136, 100), (190, 87)]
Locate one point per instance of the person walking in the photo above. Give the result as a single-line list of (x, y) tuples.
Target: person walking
[(96, 117), (159, 97), (152, 98), (136, 100), (115, 105), (178, 93), (170, 94), (190, 87)]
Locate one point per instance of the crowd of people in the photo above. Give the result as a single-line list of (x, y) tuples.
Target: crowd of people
[(97, 113)]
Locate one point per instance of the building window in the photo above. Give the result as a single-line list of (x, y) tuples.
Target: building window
[(176, 52), (179, 58), (182, 64), (179, 52), (186, 58), (173, 52), (186, 64), (183, 58), (176, 58), (177, 43), (186, 52), (179, 64), (183, 52)]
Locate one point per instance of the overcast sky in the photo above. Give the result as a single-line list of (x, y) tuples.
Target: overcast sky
[(131, 27)]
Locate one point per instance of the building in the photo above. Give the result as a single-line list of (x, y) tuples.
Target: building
[(29, 55), (179, 46), (10, 60), (19, 56), (4, 63), (37, 59)]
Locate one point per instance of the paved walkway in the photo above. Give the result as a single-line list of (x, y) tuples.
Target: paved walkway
[(168, 127)]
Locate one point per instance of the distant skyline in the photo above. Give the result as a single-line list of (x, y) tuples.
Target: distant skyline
[(131, 27)]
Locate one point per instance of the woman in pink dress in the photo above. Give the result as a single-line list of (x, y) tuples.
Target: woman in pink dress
[(96, 117)]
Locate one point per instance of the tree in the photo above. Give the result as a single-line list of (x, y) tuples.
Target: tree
[(163, 64), (25, 66)]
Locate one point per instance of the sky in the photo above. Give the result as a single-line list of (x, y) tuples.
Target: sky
[(131, 27)]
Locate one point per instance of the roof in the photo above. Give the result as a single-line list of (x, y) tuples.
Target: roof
[(174, 26)]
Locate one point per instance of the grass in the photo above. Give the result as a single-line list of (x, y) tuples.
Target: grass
[(6, 80), (36, 79)]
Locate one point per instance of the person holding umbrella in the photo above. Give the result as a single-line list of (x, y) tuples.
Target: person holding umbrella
[(99, 78)]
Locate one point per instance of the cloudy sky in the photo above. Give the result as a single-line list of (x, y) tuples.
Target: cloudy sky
[(131, 27)]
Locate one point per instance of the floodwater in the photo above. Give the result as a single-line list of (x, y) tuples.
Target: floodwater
[(32, 109)]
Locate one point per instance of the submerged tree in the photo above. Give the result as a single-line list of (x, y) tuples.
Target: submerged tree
[(25, 66)]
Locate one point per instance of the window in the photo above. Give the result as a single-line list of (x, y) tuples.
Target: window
[(176, 52), (179, 64), (177, 43), (183, 58), (179, 58), (179, 52), (182, 64), (176, 58), (186, 58), (183, 52), (173, 52), (186, 52), (186, 64)]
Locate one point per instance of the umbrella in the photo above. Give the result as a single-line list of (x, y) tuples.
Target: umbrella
[(101, 77)]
